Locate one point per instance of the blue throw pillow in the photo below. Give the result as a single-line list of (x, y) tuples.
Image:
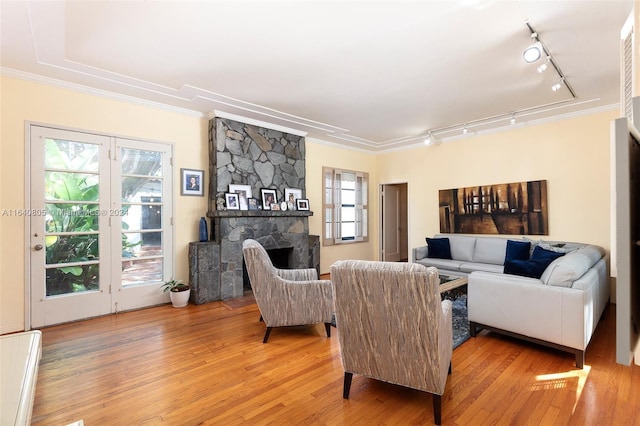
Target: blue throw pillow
[(543, 255), (534, 267), (524, 268), (517, 250), (439, 248)]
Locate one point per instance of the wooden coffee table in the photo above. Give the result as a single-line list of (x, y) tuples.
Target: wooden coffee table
[(449, 282)]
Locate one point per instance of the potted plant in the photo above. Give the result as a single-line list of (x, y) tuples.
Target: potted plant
[(178, 292)]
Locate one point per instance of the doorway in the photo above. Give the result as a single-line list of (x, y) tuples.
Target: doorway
[(101, 238), (394, 234)]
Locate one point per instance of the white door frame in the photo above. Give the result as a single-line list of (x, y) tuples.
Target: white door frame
[(27, 224), (381, 218)]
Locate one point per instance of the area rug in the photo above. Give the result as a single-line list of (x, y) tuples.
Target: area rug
[(460, 320)]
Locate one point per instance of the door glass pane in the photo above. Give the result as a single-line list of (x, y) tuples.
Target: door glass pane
[(71, 217), (71, 206), (72, 279), (142, 257), (141, 163)]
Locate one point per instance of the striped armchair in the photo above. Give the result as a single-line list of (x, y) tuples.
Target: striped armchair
[(393, 325), (287, 296)]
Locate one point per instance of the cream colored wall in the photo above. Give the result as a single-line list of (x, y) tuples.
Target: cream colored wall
[(23, 101), (320, 154), (572, 155)]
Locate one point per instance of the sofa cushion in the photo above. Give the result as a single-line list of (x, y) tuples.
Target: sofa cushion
[(525, 268), (462, 247), (490, 250), (439, 248), (563, 271), (535, 266), (517, 250), (484, 267), (441, 264)]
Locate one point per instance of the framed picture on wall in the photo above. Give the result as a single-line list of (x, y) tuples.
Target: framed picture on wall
[(269, 198), (191, 182)]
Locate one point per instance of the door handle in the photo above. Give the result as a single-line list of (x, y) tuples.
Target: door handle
[(38, 247)]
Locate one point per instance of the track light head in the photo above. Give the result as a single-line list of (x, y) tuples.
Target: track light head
[(429, 139), (532, 53)]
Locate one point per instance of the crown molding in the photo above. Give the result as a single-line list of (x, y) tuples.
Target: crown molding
[(35, 78)]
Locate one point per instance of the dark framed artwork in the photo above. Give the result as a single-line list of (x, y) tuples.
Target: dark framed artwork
[(302, 204), (269, 198), (518, 208), (191, 182)]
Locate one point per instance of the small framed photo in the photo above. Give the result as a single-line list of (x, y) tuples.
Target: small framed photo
[(302, 204), (244, 193), (253, 204), (291, 195), (269, 198), (191, 182), (275, 207), (232, 201)]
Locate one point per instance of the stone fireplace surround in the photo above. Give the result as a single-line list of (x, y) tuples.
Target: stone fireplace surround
[(245, 154)]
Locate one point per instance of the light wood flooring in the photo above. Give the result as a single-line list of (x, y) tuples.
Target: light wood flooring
[(207, 364)]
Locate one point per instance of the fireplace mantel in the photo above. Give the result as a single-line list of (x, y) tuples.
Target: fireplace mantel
[(259, 213)]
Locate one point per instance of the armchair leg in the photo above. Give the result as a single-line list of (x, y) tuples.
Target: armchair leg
[(266, 335), (437, 409), (347, 385), (327, 326)]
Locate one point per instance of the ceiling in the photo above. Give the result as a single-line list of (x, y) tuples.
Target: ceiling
[(367, 74)]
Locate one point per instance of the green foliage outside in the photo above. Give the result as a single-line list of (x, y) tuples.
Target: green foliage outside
[(75, 209)]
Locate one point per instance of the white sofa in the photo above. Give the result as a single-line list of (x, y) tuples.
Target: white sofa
[(561, 309)]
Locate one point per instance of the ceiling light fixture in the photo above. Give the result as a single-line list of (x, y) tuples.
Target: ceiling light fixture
[(542, 68), (533, 52), (429, 139), (513, 119), (539, 44), (465, 130)]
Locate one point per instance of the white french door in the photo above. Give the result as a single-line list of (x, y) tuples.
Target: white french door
[(100, 231)]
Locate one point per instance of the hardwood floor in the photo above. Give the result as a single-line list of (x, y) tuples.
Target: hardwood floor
[(207, 364)]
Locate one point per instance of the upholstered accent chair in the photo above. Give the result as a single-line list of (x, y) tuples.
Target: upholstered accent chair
[(393, 325), (287, 297)]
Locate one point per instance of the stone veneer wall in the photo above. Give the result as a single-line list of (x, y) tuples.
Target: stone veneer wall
[(245, 154)]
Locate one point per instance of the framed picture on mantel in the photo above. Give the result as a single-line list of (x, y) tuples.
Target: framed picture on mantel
[(269, 198)]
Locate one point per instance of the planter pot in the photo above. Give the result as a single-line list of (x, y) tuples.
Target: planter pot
[(179, 299)]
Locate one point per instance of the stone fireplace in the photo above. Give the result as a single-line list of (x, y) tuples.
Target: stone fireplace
[(245, 154)]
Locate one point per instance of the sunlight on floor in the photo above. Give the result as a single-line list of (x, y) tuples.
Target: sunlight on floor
[(561, 380)]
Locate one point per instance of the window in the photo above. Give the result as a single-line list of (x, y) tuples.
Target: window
[(344, 213)]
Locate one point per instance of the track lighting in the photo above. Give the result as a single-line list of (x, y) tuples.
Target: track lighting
[(542, 68), (513, 119), (465, 130), (533, 52), (557, 86), (429, 139)]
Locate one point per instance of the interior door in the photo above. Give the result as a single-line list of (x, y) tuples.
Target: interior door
[(391, 223), (68, 243)]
